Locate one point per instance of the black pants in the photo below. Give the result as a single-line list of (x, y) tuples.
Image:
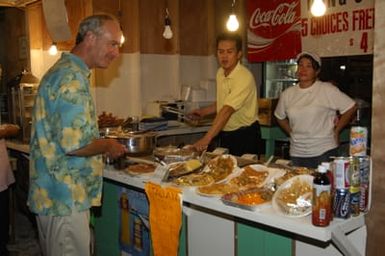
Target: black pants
[(245, 140), (313, 162), (4, 221)]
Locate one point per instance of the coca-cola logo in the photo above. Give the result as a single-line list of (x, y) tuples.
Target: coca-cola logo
[(283, 14)]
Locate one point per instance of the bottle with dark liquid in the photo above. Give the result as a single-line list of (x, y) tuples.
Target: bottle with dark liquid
[(321, 201)]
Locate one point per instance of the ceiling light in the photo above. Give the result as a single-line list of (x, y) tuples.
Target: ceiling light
[(53, 49), (167, 33), (232, 23), (318, 8)]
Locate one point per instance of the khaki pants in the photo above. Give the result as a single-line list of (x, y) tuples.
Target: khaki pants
[(65, 235)]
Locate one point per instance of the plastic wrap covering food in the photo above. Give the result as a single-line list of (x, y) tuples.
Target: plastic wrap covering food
[(293, 198)]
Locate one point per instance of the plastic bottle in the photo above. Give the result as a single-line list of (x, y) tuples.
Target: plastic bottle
[(321, 201), (330, 175)]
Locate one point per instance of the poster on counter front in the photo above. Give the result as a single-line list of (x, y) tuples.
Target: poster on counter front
[(134, 232), (280, 29)]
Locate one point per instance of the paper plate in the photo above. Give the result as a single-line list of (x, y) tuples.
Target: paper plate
[(293, 197), (211, 171), (248, 177)]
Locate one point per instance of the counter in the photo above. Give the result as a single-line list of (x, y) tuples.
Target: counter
[(241, 232), (293, 228)]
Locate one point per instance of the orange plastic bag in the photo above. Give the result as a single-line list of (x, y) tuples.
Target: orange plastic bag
[(165, 218)]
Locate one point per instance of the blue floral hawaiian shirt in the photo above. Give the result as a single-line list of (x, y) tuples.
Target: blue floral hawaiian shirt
[(63, 120)]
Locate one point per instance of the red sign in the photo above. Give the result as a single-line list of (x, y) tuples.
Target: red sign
[(274, 30), (280, 29)]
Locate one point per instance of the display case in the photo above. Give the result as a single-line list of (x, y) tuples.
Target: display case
[(278, 75), (23, 97)]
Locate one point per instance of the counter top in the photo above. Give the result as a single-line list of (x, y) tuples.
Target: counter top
[(265, 215), (177, 128)]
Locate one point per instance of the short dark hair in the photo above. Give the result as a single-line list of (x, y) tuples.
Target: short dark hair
[(93, 23), (232, 37)]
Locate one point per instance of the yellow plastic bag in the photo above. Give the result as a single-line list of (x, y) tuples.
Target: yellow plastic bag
[(165, 218)]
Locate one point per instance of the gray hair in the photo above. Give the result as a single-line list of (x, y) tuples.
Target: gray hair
[(94, 24)]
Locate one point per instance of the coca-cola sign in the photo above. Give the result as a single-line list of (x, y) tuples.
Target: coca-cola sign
[(283, 14), (274, 30), (280, 29)]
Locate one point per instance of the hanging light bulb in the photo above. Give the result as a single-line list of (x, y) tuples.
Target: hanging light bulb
[(167, 33), (122, 38), (318, 8), (53, 49), (232, 23)]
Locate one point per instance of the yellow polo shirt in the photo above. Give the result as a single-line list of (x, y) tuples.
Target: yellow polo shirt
[(239, 91)]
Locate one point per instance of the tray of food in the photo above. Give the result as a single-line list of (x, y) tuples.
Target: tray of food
[(221, 167), (194, 180), (140, 168), (255, 175), (178, 169), (250, 199), (216, 189), (171, 154), (293, 197)]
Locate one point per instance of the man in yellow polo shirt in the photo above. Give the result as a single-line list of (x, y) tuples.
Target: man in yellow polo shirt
[(235, 125)]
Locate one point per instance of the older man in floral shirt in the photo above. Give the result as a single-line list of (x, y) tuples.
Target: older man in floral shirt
[(66, 165)]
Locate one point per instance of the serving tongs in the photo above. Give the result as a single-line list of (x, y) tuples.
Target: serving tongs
[(180, 114)]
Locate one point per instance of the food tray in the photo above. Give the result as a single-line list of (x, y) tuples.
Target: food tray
[(231, 199), (216, 190), (272, 173)]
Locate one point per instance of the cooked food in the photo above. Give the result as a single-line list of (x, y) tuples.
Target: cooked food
[(248, 198), (141, 168), (296, 198), (192, 164), (217, 189), (249, 178), (109, 120), (221, 167), (291, 173), (194, 180), (8, 130), (251, 198), (181, 168)]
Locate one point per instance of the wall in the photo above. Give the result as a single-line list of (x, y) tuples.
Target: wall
[(376, 217), (150, 67)]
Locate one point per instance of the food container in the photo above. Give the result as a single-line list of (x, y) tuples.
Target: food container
[(173, 154), (138, 143)]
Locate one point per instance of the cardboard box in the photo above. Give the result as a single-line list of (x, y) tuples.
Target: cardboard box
[(266, 111)]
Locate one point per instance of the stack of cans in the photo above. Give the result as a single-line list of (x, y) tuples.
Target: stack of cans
[(351, 185)]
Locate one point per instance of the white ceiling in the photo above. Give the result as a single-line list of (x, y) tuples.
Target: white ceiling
[(15, 3)]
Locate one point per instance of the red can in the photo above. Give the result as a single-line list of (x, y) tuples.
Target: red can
[(341, 170)]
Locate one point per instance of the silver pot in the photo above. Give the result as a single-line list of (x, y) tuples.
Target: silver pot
[(137, 143)]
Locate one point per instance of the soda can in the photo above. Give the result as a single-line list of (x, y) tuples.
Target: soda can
[(364, 197), (341, 204), (364, 168), (341, 167), (354, 172), (358, 141), (354, 200)]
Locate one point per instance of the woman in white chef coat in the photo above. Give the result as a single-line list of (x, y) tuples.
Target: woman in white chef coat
[(307, 112)]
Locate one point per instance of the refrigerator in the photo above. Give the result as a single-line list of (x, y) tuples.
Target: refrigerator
[(277, 76)]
